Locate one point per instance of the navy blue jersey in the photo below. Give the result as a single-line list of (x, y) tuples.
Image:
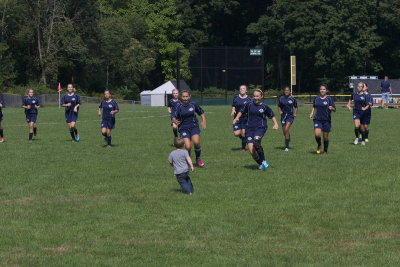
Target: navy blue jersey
[(239, 102), (73, 99), (30, 101), (359, 101), (172, 103), (107, 108), (322, 111), (257, 114), (287, 104), (187, 115), (369, 99)]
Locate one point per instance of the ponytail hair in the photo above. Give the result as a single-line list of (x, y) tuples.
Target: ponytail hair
[(260, 91)]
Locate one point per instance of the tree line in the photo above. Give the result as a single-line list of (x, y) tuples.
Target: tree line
[(130, 45)]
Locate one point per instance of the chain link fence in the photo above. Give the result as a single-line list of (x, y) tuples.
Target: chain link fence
[(11, 100)]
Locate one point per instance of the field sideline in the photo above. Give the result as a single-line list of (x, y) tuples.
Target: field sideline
[(64, 203)]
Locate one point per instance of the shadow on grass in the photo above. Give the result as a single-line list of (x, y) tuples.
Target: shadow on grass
[(280, 148), (236, 149), (251, 167)]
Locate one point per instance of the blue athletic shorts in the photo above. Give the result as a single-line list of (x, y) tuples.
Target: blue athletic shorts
[(188, 133), (285, 118), (108, 123), (252, 132), (325, 126), (71, 116), (31, 118)]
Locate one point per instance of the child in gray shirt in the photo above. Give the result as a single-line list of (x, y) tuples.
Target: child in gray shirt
[(181, 162)]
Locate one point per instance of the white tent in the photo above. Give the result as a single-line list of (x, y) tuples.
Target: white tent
[(159, 96)]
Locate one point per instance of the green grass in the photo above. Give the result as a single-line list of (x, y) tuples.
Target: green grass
[(64, 203)]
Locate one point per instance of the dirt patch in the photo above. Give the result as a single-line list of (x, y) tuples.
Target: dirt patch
[(387, 236), (58, 249)]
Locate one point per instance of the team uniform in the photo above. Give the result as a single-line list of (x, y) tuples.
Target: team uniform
[(287, 105), (256, 119), (31, 113), (367, 113), (70, 114), (322, 116), (108, 120), (360, 102), (189, 125), (173, 104), (239, 103)]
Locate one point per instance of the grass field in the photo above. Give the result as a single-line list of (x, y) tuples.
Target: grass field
[(64, 203)]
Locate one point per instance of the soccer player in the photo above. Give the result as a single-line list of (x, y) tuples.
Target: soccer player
[(287, 107), (321, 114), (1, 119), (188, 125), (71, 102), (172, 104), (239, 101), (358, 111), (367, 112), (256, 126), (108, 107), (31, 105)]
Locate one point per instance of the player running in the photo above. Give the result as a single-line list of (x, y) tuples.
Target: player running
[(71, 102), (367, 112), (239, 101), (359, 103), (31, 105), (287, 107), (172, 104), (188, 125), (321, 114), (256, 126), (108, 107)]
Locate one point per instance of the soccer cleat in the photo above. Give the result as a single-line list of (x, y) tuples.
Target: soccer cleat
[(109, 146), (243, 150), (287, 149), (265, 164), (261, 167), (325, 153), (77, 139), (2, 140), (356, 141), (366, 140), (363, 143), (318, 150), (200, 163)]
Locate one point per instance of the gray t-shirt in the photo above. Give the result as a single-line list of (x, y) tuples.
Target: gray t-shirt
[(178, 160)]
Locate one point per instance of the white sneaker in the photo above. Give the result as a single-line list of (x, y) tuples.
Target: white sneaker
[(356, 141), (363, 143), (287, 149)]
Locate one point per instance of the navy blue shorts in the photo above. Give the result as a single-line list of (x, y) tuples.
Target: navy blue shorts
[(366, 118), (253, 132), (357, 114), (71, 116), (285, 118), (31, 118), (239, 125), (325, 126), (108, 123), (188, 133)]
